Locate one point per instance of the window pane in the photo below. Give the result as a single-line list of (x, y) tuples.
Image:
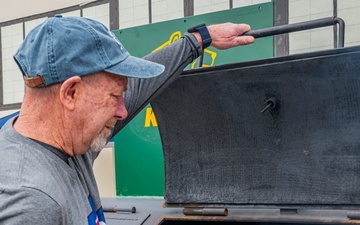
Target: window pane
[(99, 13), (163, 10), (349, 12), (202, 7), (72, 13), (29, 25), (314, 39), (13, 85), (242, 3), (133, 13)]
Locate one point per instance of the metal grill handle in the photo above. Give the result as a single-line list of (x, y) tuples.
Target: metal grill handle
[(288, 28)]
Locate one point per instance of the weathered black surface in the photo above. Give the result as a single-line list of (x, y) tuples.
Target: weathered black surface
[(220, 150), (149, 211)]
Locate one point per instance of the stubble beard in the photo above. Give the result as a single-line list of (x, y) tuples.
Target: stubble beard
[(102, 139), (98, 143)]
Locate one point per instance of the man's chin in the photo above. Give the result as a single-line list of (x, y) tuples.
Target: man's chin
[(96, 150), (98, 143)]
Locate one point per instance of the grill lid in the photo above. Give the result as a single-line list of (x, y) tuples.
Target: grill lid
[(304, 150)]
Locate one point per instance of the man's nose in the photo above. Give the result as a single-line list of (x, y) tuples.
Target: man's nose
[(121, 112)]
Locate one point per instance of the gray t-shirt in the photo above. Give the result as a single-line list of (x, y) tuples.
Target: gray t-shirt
[(40, 184)]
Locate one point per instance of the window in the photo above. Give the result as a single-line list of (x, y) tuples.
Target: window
[(13, 85), (12, 34)]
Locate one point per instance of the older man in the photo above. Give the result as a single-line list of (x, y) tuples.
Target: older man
[(82, 87)]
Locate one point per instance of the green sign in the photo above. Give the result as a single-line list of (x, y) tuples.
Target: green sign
[(139, 159)]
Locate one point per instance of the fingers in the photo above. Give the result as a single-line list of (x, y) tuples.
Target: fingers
[(244, 40), (242, 28), (233, 42), (228, 35)]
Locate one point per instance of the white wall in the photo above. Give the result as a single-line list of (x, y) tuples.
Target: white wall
[(201, 7), (7, 112), (322, 38), (104, 169), (349, 11), (15, 9), (163, 10)]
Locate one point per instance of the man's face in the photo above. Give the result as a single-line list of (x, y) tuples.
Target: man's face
[(102, 106)]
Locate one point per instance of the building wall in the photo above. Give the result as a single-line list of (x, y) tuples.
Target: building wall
[(11, 10), (349, 10), (320, 39)]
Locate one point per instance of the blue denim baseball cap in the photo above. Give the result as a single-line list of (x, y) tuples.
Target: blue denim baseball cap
[(62, 47)]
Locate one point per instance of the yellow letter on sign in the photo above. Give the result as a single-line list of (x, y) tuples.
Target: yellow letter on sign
[(150, 118)]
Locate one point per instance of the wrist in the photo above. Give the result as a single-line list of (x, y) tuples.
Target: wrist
[(198, 37), (202, 34)]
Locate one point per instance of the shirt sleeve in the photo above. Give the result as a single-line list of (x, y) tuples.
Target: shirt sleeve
[(28, 206), (175, 58)]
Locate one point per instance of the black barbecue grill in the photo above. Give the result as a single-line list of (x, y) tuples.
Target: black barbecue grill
[(272, 141)]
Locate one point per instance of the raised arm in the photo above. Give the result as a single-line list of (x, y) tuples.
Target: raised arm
[(175, 58)]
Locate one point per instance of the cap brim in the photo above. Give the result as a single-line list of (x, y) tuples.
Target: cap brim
[(136, 68)]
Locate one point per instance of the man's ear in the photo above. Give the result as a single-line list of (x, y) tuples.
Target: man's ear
[(69, 91)]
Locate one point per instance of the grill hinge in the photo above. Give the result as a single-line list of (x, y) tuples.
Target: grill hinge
[(353, 214), (205, 211), (288, 211)]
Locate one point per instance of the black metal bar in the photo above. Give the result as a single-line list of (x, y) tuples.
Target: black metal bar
[(301, 26), (288, 28), (335, 29), (201, 59), (119, 209), (341, 36)]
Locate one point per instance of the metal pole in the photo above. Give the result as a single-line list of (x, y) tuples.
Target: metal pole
[(329, 21), (150, 12), (335, 30)]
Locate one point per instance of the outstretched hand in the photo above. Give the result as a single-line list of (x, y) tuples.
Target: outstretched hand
[(228, 35)]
